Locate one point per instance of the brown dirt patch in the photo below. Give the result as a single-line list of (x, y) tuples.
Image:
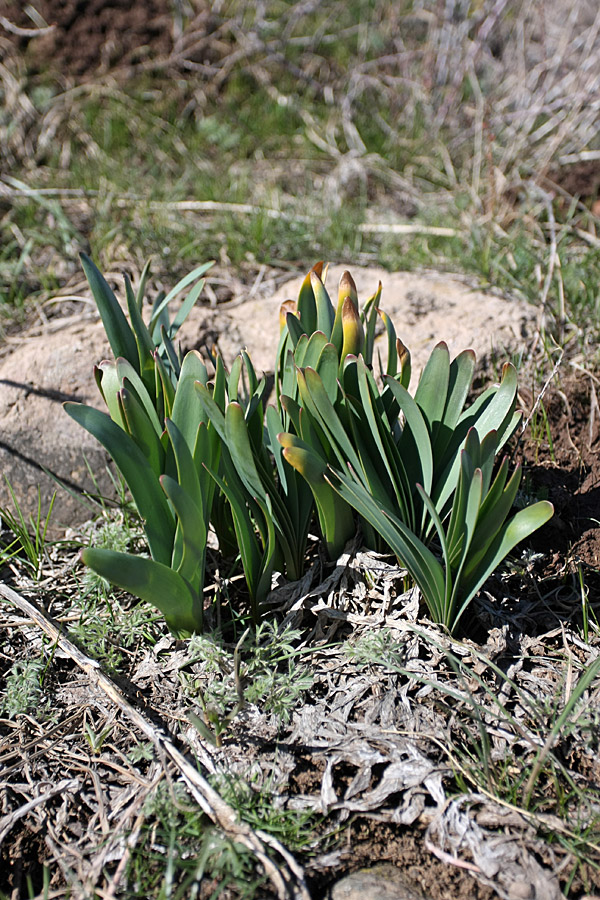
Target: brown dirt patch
[(563, 464), (368, 841), (90, 37)]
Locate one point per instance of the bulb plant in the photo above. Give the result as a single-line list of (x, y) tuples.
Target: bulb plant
[(342, 443)]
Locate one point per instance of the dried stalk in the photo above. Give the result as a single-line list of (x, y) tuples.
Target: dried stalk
[(287, 876)]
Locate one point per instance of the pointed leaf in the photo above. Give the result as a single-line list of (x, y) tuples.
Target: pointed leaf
[(180, 286), (190, 541), (152, 582), (187, 412), (432, 389), (145, 488), (142, 430), (119, 334)]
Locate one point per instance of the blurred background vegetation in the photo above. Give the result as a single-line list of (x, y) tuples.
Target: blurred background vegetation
[(450, 134)]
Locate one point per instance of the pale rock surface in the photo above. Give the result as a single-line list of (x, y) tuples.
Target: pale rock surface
[(425, 309), (381, 882), (39, 372), (42, 368)]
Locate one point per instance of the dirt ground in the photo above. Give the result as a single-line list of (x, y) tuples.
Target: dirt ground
[(86, 38), (343, 743), (561, 463)]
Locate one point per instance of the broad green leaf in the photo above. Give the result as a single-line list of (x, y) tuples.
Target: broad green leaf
[(314, 398), (206, 452), (492, 515), (189, 550), (238, 443), (187, 412), (296, 328), (499, 408), (220, 382), (311, 351), (212, 410), (142, 430), (432, 389), (379, 459), (335, 516), (145, 488), (414, 445), (164, 387), (187, 473), (110, 385), (233, 382), (119, 334), (471, 513), (130, 379), (521, 526), (461, 373), (152, 582), (327, 370), (456, 525), (143, 340), (459, 384), (307, 309), (292, 409), (274, 428), (253, 380), (250, 552)]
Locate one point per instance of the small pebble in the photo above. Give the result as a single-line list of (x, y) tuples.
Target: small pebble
[(382, 882), (521, 890)]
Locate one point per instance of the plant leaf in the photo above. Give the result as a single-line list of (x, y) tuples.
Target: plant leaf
[(153, 582), (145, 488), (119, 334)]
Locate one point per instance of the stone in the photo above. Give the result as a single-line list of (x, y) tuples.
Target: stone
[(380, 882), (41, 368), (425, 309)]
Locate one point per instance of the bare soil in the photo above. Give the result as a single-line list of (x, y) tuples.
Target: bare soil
[(87, 38), (563, 464), (349, 717)]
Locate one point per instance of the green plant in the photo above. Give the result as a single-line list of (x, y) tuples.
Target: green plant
[(474, 539), (159, 445), (418, 470), (316, 338), (264, 670), (270, 517), (28, 538), (180, 854), (23, 687)]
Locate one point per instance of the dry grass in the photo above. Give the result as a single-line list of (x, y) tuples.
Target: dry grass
[(436, 134)]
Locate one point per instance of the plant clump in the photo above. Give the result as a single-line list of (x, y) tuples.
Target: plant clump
[(343, 445)]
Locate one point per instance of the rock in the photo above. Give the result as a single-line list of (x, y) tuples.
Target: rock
[(40, 372), (424, 308), (381, 882), (40, 369)]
